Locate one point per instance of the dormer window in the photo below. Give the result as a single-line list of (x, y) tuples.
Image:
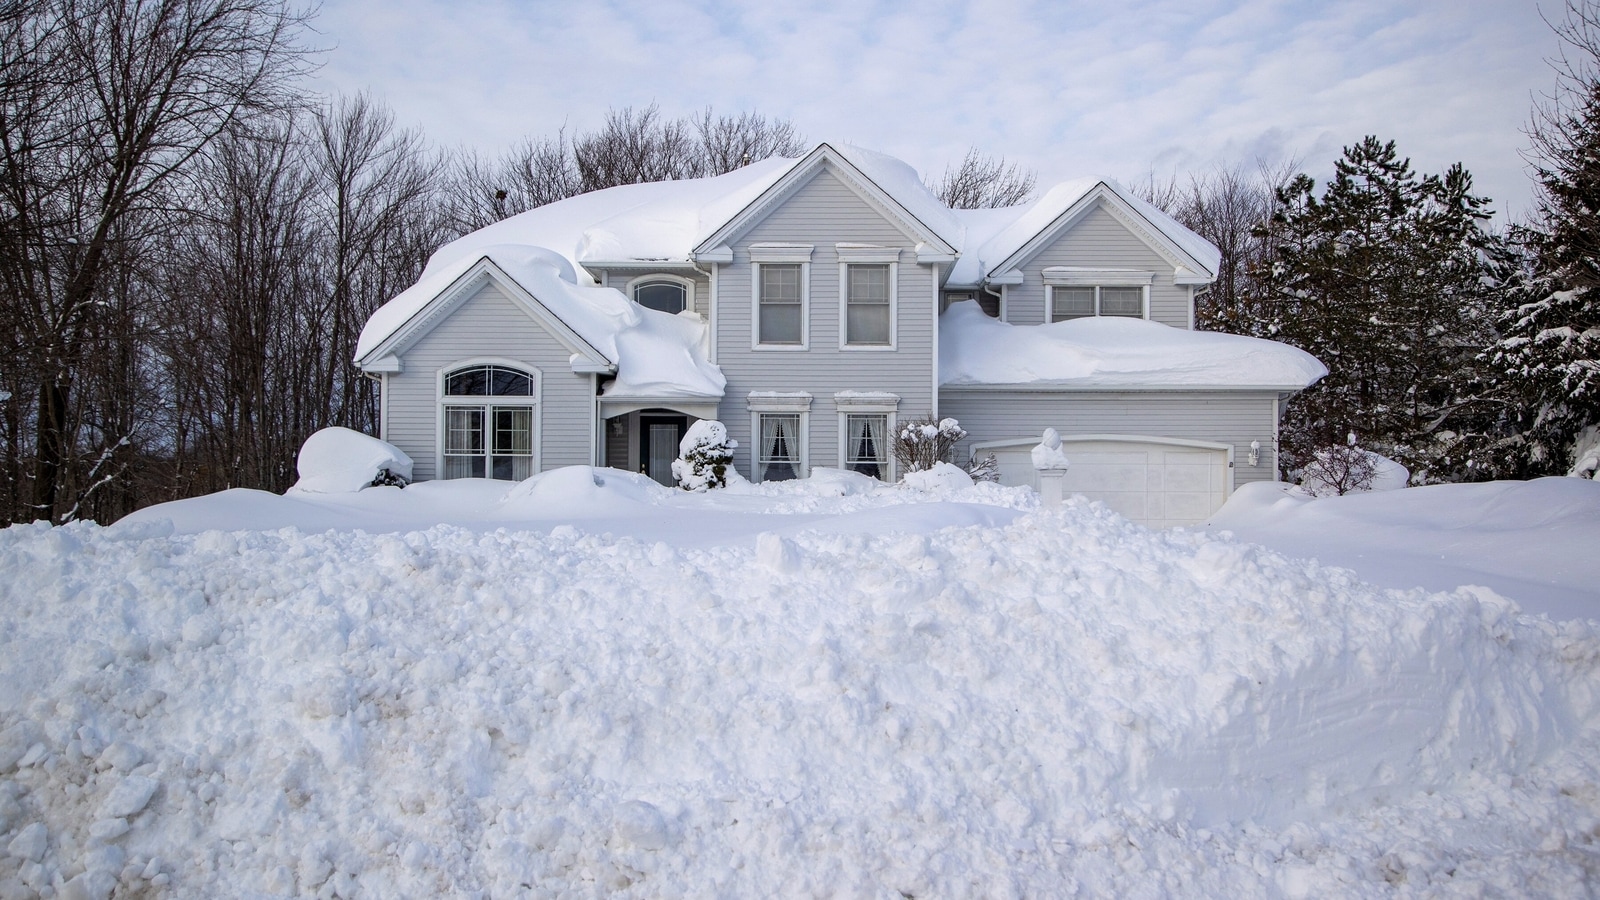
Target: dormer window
[(661, 294), (1082, 293)]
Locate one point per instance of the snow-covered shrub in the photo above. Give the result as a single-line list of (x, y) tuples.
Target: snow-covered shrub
[(1348, 469), (923, 442), (705, 456), (338, 460), (986, 469)]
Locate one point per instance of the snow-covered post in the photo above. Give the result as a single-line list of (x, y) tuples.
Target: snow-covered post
[(1051, 464)]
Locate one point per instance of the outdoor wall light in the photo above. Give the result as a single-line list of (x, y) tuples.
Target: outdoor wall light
[(1255, 453)]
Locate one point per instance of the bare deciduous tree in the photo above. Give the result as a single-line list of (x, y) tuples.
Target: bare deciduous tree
[(106, 104), (984, 182)]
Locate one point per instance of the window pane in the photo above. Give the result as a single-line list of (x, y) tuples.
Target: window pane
[(513, 430), (463, 467), (780, 323), (1071, 303), (1121, 301), (867, 305), (666, 296), (867, 324), (869, 284), (463, 430), (779, 457), (780, 283), (865, 448), (473, 382), (509, 383)]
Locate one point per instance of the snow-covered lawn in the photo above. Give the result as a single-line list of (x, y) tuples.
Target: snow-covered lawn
[(588, 685)]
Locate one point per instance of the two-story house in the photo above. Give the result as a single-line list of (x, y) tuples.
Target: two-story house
[(811, 305)]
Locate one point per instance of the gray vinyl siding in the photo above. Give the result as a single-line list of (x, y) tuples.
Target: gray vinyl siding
[(824, 212), (700, 302), (1099, 241), (1220, 417), (489, 324)]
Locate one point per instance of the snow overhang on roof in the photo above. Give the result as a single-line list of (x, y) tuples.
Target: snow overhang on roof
[(1111, 353)]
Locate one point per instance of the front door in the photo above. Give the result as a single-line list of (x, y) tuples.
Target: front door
[(659, 437)]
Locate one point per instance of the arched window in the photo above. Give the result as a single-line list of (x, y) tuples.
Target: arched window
[(668, 296), (489, 424)]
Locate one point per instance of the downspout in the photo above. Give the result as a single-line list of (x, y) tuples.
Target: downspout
[(999, 301), (711, 318)]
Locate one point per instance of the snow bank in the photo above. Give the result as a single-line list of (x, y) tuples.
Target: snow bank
[(1531, 541), (942, 477), (1110, 351), (1069, 704), (338, 460)]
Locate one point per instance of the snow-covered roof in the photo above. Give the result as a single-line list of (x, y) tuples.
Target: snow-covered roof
[(994, 236), (1111, 352), (545, 251)]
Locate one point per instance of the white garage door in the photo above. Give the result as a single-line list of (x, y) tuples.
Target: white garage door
[(1153, 481)]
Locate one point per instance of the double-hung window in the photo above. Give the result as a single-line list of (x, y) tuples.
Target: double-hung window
[(778, 457), (866, 432), (867, 275), (778, 424), (780, 290), (866, 443), (781, 311), (488, 416)]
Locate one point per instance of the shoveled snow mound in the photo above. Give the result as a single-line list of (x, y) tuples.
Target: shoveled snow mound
[(339, 460), (1112, 351), (1070, 704)]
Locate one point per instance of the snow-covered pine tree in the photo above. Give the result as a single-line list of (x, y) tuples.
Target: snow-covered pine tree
[(1383, 279), (1548, 356)]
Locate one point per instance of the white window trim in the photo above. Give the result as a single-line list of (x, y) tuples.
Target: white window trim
[(844, 302), (781, 254), (850, 403), (1050, 301), (766, 402), (685, 283), (536, 401)]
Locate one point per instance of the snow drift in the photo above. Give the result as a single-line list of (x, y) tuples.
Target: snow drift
[(1069, 703)]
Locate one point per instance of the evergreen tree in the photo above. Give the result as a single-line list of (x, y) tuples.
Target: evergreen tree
[(1548, 358), (1383, 278)]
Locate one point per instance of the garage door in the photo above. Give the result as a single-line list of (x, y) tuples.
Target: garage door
[(1153, 481)]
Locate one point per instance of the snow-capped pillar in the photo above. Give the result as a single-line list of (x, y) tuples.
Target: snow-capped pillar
[(1051, 464)]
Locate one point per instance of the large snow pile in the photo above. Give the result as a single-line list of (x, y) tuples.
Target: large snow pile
[(1533, 541), (1064, 704), (1112, 351), (339, 460)]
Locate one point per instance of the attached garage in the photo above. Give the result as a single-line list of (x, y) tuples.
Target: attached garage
[(1154, 481)]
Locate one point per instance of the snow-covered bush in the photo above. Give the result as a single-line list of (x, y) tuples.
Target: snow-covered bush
[(923, 442), (986, 469), (705, 457), (1348, 469), (338, 460)]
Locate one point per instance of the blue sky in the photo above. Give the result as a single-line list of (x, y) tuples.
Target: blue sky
[(1064, 88)]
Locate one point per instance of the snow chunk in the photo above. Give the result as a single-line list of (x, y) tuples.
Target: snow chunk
[(942, 478), (641, 824), (129, 797), (30, 843), (1111, 351), (338, 461)]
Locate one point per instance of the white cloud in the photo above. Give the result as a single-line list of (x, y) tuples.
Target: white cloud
[(1067, 88)]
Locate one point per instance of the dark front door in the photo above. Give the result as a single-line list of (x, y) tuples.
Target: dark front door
[(658, 445)]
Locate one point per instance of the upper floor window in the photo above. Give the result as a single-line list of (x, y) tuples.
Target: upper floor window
[(662, 294), (1082, 301), (868, 317), (781, 304)]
